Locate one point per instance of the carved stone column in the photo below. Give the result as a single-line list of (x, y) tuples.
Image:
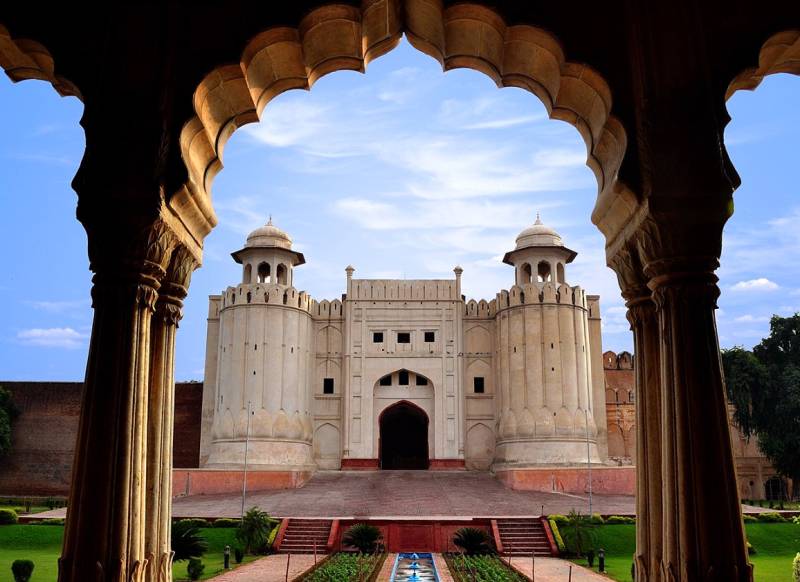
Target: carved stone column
[(702, 535), (105, 534), (644, 324), (161, 416)]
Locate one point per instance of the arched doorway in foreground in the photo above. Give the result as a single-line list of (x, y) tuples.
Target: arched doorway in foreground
[(403, 437)]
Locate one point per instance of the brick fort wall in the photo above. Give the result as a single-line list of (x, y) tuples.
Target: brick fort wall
[(44, 434)]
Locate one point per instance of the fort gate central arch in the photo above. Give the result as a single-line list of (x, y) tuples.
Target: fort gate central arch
[(403, 437)]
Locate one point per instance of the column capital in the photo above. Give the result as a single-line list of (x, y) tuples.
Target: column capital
[(175, 285)]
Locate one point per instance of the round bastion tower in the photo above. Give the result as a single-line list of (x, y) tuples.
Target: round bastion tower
[(264, 355), (543, 363)]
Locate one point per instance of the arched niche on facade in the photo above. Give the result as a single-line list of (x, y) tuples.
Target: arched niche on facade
[(282, 274), (543, 272), (403, 437)]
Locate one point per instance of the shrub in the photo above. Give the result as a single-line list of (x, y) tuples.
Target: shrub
[(590, 558), (254, 530), (226, 522), (272, 535), (187, 543), (473, 541), (771, 517), (750, 549), (748, 519), (50, 521), (796, 568), (558, 518), (8, 516), (796, 519), (619, 520), (195, 569), (557, 536), (238, 555), (22, 570), (579, 534), (196, 522), (597, 519), (362, 536)]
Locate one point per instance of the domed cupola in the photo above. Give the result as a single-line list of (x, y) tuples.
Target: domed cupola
[(539, 255), (268, 257)]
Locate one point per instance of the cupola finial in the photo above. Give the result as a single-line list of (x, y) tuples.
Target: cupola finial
[(538, 218)]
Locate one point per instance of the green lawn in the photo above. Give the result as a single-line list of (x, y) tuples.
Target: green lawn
[(776, 545), (42, 544)]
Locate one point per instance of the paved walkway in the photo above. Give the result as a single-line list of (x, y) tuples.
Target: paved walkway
[(268, 569), (556, 570), (429, 494)]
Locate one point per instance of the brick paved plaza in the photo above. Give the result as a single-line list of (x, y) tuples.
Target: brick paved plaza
[(348, 494)]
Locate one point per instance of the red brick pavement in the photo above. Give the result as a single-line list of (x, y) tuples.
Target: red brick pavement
[(356, 494)]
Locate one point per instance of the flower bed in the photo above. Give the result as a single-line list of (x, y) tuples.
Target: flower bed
[(345, 566), (486, 568)]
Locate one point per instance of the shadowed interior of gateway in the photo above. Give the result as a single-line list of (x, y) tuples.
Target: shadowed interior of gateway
[(404, 437)]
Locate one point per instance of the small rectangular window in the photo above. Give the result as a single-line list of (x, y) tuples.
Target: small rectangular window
[(377, 337), (430, 337), (386, 380), (327, 386), (402, 378), (404, 337), (422, 380), (477, 384)]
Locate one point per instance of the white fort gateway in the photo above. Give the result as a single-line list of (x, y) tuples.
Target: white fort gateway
[(403, 374)]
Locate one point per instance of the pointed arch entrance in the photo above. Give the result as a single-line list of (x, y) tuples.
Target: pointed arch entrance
[(403, 440)]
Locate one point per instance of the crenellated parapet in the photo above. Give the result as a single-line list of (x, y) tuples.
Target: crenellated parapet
[(267, 294), (402, 290)]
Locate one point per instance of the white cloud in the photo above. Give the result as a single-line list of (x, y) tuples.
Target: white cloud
[(747, 318), (61, 306), (54, 337), (760, 284), (504, 123)]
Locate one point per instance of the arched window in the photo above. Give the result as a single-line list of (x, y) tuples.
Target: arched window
[(248, 274), (527, 276), (263, 273), (560, 273), (282, 274), (543, 272)]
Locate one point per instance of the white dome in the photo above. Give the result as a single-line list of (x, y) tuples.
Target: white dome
[(538, 235), (268, 235)]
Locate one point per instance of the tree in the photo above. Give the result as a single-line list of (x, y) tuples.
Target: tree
[(254, 530), (764, 388), (8, 412), (187, 543)]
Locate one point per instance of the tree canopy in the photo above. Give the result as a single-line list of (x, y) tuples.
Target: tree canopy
[(764, 387)]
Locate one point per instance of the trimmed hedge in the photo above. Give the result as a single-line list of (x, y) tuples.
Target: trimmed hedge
[(198, 523), (558, 518), (619, 520), (597, 519), (748, 518), (771, 517), (557, 536), (50, 521), (8, 517), (226, 522)]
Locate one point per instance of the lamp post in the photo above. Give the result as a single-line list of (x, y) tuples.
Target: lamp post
[(246, 443)]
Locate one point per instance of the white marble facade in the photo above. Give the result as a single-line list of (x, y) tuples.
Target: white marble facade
[(509, 383)]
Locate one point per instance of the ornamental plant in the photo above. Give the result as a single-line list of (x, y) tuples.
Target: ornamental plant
[(472, 541), (362, 536), (187, 543), (195, 569), (796, 568), (22, 570), (254, 530)]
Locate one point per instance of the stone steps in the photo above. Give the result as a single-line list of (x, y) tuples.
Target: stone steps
[(523, 537), (302, 534)]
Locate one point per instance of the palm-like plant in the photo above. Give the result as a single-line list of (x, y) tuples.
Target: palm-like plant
[(187, 543), (254, 529), (473, 541), (579, 534), (362, 536)]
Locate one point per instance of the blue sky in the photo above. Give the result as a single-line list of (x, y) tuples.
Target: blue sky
[(402, 172)]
